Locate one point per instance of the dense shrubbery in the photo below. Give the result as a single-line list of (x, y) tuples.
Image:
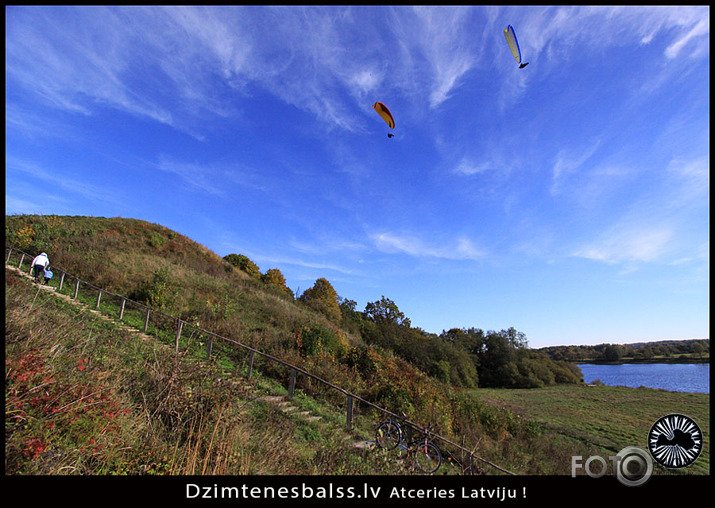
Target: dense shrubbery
[(320, 339), (504, 360), (468, 358), (157, 292)]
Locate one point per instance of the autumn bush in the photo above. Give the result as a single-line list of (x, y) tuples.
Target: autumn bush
[(317, 338), (61, 415)]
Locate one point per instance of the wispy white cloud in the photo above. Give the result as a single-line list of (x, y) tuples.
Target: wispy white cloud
[(655, 226), (32, 124), (312, 58), (569, 162), (195, 175), (15, 205), (78, 59), (459, 249), (55, 183), (467, 167), (443, 38), (292, 260), (288, 254), (690, 181), (698, 35), (328, 245), (627, 243), (591, 28), (551, 37), (215, 178)]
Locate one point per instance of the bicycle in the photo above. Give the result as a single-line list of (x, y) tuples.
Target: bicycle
[(391, 433)]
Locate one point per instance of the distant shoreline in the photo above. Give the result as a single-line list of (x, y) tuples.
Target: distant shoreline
[(697, 361)]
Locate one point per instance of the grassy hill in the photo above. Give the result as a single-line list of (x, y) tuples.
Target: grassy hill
[(90, 395), (85, 395)]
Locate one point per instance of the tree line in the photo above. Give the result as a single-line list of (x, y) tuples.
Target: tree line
[(465, 358), (669, 350)]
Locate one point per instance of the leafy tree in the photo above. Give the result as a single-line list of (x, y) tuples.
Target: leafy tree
[(452, 365), (352, 320), (534, 371), (471, 340), (323, 298), (244, 263), (566, 372), (503, 359), (697, 349), (612, 353), (386, 311), (497, 361), (517, 340), (274, 277), (645, 353), (347, 306)]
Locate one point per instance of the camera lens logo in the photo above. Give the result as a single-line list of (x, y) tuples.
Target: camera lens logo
[(675, 441), (633, 466)]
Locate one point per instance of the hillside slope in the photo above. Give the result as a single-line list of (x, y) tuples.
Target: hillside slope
[(156, 266), (124, 256), (88, 395)]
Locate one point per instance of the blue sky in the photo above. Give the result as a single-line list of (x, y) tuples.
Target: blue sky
[(568, 199)]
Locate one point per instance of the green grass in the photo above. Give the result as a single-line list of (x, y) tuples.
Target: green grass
[(609, 418)]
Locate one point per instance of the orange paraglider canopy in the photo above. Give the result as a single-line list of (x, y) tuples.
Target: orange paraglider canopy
[(384, 113)]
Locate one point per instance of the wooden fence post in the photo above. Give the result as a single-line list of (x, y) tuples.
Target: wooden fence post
[(76, 289), (178, 334), (250, 364), (99, 297), (121, 309), (209, 347), (62, 280), (349, 415), (19, 267), (7, 259), (291, 387), (146, 320)]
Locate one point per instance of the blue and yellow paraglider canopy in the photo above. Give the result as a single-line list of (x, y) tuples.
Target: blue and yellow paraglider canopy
[(385, 114), (514, 45)]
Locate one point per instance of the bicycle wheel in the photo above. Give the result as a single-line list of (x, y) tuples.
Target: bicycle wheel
[(428, 457), (388, 435)]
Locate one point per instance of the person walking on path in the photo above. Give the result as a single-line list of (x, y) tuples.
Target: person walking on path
[(39, 265)]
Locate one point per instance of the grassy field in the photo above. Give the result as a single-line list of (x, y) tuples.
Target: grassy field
[(609, 418)]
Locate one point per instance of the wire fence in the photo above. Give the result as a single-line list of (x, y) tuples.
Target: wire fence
[(187, 337)]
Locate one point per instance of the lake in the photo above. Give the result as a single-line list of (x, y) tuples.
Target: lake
[(674, 377)]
